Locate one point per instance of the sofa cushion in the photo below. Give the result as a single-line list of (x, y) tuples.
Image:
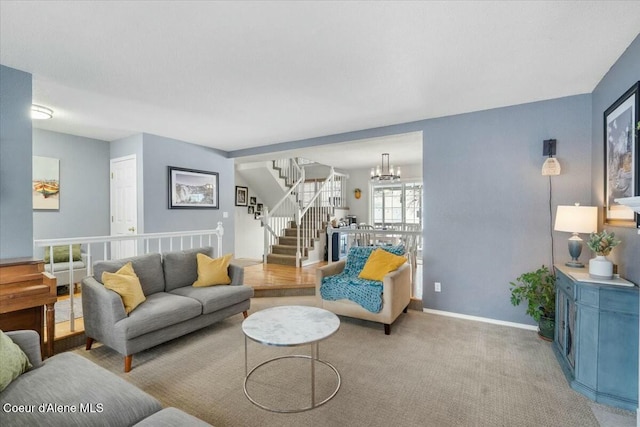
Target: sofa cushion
[(157, 312), (212, 271), (171, 417), (181, 268), (125, 283), (70, 379), (148, 268), (64, 266), (14, 361), (380, 263), (214, 298)]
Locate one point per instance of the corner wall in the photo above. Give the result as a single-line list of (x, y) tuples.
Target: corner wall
[(622, 75), (84, 186), (159, 153), (486, 204), (16, 200)]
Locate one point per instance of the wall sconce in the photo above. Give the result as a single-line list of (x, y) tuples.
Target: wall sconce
[(551, 166)]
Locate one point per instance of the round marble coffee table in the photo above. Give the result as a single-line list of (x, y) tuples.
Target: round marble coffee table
[(290, 326)]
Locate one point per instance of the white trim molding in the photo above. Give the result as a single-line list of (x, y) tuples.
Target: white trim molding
[(481, 319)]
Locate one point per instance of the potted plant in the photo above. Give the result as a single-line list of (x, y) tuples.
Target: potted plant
[(602, 243), (538, 288)]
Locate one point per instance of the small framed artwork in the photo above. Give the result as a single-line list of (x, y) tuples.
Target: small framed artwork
[(621, 157), (252, 200), (192, 189), (257, 215), (251, 210), (259, 207), (241, 196), (46, 183)]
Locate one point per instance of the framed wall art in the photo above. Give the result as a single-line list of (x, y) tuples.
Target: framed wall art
[(621, 157), (252, 200), (46, 183), (242, 194), (193, 189)]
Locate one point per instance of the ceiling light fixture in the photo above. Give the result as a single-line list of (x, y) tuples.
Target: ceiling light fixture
[(385, 172), (38, 112)]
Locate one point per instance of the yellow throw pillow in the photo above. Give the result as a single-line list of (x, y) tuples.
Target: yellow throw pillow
[(126, 283), (212, 271), (380, 263)]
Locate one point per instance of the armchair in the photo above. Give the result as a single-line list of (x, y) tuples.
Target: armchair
[(396, 292)]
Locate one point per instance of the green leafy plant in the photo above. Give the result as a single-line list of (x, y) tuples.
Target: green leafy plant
[(538, 288), (602, 243)]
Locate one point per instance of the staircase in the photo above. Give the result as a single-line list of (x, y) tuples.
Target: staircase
[(284, 251), (294, 230)]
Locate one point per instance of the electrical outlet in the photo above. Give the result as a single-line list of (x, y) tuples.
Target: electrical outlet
[(438, 287)]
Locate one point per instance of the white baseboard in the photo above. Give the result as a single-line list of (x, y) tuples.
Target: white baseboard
[(481, 319)]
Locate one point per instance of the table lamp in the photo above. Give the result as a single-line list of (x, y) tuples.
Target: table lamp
[(576, 219)]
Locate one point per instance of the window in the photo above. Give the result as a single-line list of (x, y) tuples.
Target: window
[(397, 205)]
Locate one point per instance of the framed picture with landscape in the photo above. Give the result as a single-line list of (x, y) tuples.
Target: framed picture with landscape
[(193, 189), (621, 157)]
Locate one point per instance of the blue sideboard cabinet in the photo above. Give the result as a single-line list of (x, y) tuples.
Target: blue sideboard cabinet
[(596, 337)]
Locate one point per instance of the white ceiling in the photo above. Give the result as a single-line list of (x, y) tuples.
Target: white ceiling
[(234, 75)]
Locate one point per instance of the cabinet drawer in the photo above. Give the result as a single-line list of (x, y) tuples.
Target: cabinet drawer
[(587, 295), (566, 286), (624, 301)]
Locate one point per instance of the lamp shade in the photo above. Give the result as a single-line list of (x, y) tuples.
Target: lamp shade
[(551, 167), (576, 219)]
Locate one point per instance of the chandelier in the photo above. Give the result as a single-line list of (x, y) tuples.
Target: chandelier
[(385, 172)]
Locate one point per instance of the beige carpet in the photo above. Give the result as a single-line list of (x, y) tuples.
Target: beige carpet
[(431, 371)]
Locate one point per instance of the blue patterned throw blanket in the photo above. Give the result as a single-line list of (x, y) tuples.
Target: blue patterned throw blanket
[(347, 285)]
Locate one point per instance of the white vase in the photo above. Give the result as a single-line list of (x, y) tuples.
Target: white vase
[(600, 267)]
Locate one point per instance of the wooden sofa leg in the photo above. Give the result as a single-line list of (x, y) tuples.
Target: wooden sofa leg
[(387, 329), (405, 309), (89, 343), (245, 314), (127, 362)]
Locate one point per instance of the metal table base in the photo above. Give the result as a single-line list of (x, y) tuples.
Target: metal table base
[(314, 358)]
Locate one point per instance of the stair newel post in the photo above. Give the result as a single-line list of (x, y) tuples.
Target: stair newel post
[(265, 221), (298, 225)]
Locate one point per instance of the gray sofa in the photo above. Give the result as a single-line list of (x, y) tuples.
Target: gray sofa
[(173, 307), (69, 390)]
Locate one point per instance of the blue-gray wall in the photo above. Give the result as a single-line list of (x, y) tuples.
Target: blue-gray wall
[(486, 204), (16, 221), (622, 75), (160, 153), (84, 184)]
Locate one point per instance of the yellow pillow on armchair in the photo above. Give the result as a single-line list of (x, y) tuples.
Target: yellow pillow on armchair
[(212, 271), (380, 263), (125, 282)]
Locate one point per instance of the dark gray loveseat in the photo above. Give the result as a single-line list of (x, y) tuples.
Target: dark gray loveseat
[(69, 390), (173, 307)]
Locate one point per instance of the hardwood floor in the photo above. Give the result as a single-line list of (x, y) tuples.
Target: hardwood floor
[(276, 276)]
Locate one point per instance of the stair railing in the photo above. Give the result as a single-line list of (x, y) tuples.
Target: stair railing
[(315, 213), (284, 212)]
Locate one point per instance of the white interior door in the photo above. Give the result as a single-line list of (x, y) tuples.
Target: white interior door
[(124, 208)]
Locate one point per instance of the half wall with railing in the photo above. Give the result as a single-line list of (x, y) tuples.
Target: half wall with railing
[(96, 248)]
